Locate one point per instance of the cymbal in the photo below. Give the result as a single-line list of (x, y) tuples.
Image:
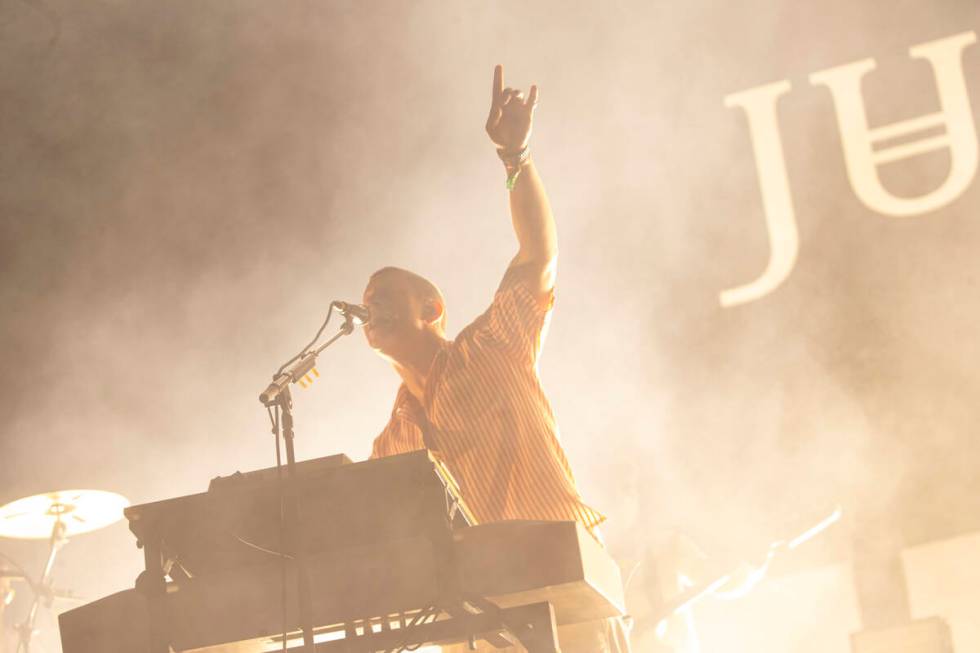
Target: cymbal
[(79, 511)]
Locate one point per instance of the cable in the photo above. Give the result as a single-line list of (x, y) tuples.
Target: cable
[(629, 577), (415, 647), (311, 343), (431, 612), (278, 554), (414, 622)]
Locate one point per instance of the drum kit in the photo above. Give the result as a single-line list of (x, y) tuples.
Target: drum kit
[(54, 516)]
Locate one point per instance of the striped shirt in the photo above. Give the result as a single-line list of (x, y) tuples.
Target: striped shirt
[(484, 414)]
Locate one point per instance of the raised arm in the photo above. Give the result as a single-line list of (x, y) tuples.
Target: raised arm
[(509, 127)]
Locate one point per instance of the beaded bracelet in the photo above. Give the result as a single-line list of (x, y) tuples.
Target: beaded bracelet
[(512, 164)]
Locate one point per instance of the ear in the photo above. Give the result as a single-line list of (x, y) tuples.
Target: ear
[(433, 311)]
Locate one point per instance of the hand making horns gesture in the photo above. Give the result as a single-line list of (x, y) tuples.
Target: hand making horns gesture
[(509, 123)]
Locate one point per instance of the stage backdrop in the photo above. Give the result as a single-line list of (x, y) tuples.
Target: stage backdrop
[(769, 216)]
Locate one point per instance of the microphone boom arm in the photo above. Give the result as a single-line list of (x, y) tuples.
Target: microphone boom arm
[(301, 366)]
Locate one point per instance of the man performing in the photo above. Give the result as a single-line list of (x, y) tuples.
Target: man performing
[(476, 401)]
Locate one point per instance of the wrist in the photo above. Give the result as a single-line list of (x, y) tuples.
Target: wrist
[(514, 159)]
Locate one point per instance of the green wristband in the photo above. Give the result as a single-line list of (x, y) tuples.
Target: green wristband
[(513, 162)]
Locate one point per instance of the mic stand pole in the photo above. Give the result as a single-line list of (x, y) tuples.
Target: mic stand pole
[(294, 532), (278, 395)]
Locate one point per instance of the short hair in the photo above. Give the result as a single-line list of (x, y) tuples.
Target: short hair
[(424, 289)]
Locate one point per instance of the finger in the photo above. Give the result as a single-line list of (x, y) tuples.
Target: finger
[(498, 84), (532, 98), (497, 97)]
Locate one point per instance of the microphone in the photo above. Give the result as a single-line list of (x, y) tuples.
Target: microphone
[(359, 312)]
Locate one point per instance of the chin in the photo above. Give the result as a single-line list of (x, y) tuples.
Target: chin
[(381, 340)]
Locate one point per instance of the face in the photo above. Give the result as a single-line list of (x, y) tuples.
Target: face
[(396, 314)]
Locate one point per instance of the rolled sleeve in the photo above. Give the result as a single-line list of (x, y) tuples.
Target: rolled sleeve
[(517, 319)]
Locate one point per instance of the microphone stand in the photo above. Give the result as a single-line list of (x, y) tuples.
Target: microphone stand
[(277, 396), (300, 365)]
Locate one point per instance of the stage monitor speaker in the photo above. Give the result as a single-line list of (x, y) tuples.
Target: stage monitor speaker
[(921, 636)]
